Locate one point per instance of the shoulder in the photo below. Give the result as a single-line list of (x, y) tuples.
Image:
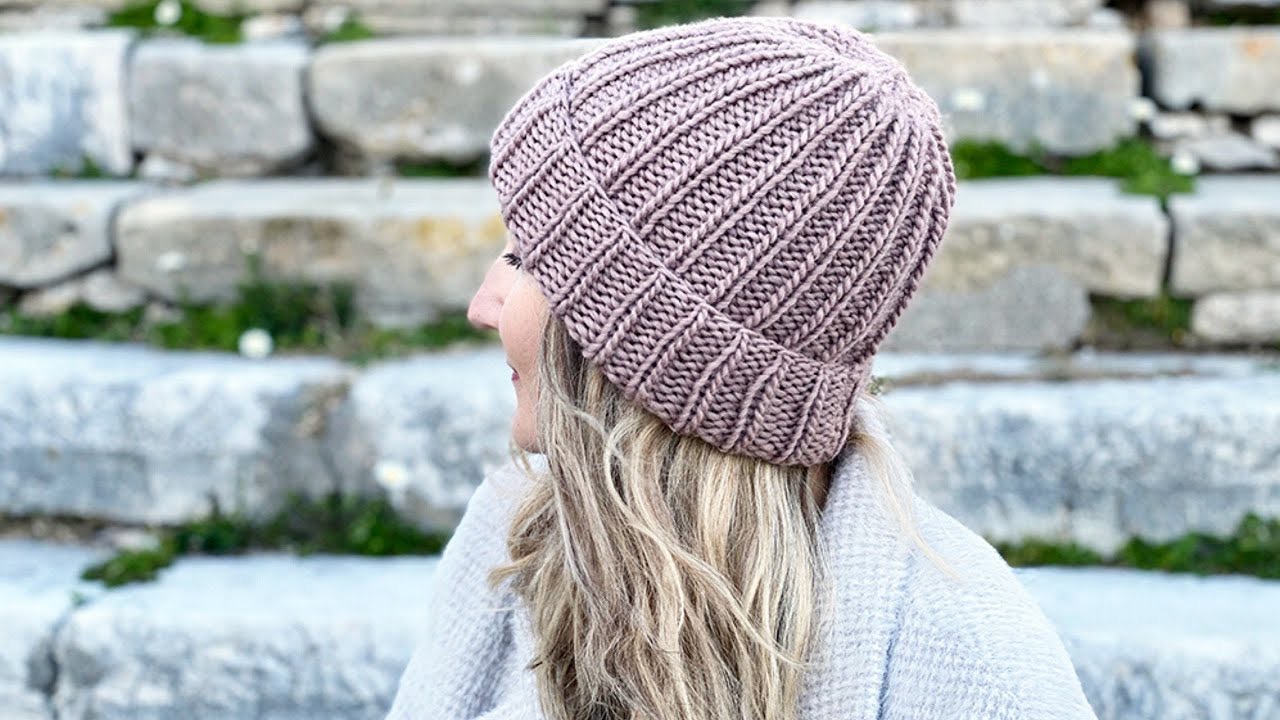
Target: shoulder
[(983, 631), (462, 666)]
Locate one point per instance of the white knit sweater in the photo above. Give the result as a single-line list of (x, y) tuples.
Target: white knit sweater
[(904, 643)]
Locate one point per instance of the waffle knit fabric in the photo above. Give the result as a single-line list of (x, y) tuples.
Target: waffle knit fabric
[(898, 641), (729, 216)]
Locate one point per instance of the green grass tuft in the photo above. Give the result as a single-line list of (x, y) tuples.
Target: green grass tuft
[(659, 13), (87, 170), (1162, 321), (1137, 163), (1134, 161), (335, 523), (441, 168), (974, 160), (1252, 549), (193, 22), (300, 317), (351, 30)]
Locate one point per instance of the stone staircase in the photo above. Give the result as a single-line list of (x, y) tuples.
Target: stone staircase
[(306, 153), (275, 636), (1093, 447)]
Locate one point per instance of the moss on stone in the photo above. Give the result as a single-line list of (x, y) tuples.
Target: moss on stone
[(1161, 322), (335, 523), (478, 167), (1134, 161), (974, 159), (1243, 15), (86, 170), (1142, 170), (658, 13), (1252, 549), (300, 317), (192, 21), (351, 30)]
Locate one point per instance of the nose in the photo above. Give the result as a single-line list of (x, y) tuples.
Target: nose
[(484, 309)]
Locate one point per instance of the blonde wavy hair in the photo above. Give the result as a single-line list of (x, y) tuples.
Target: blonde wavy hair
[(666, 579)]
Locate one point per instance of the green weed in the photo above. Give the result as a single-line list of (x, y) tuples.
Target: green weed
[(1252, 549), (351, 30), (658, 13), (192, 21), (335, 523), (1134, 161), (1143, 323)]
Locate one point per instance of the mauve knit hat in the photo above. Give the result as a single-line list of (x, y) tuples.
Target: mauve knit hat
[(728, 216)]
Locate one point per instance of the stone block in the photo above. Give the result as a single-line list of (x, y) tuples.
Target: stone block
[(1030, 307), (1152, 645), (1250, 316), (428, 97), (38, 583), (64, 102), (427, 430), (51, 230), (270, 636), (1021, 13), (100, 289), (1070, 91), (1095, 461), (222, 109), (411, 248), (1109, 241), (1226, 235), (1228, 152), (1229, 69), (123, 432)]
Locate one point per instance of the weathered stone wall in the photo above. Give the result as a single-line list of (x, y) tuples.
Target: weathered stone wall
[(166, 117)]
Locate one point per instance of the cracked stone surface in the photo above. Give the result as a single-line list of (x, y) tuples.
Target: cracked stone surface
[(126, 432), (1165, 646), (1095, 461), (37, 582), (64, 101), (266, 637), (276, 637)]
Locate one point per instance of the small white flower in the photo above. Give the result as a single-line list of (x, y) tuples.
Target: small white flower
[(391, 475), (334, 17), (171, 261), (969, 99), (1142, 109), (1184, 163), (255, 343), (168, 12)]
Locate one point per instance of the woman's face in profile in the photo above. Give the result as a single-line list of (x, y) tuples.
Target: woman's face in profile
[(509, 301)]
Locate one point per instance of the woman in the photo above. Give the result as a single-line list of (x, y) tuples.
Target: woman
[(712, 227)]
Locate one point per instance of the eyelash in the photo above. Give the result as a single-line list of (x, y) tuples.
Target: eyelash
[(512, 259)]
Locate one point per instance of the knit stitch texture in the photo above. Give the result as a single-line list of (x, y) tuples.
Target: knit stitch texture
[(899, 639), (729, 216)]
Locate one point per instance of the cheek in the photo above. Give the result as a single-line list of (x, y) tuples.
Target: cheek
[(520, 325)]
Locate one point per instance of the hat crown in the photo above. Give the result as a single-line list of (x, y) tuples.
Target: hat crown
[(744, 205)]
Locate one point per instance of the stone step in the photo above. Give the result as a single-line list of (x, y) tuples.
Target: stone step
[(131, 434), (110, 92), (1015, 271), (328, 637), (1157, 445), (1077, 98), (1095, 461), (440, 97)]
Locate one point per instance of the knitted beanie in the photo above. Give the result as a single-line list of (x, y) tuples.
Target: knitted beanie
[(728, 216)]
